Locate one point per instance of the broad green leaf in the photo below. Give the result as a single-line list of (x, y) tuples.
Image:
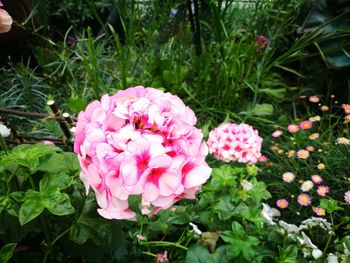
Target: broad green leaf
[(6, 252), (29, 210), (55, 181), (225, 207), (330, 205), (219, 256), (277, 93), (197, 254), (262, 109), (290, 254), (76, 104), (58, 203), (18, 196), (59, 163), (29, 155), (3, 202), (96, 229)]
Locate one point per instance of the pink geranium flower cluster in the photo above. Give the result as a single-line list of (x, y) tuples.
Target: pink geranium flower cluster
[(140, 141), (235, 142)]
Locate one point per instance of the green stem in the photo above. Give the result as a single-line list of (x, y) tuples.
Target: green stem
[(59, 236), (330, 236), (3, 144), (164, 243)]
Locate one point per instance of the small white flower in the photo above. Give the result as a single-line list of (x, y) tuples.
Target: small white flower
[(290, 228), (4, 131), (269, 213), (332, 258), (195, 228), (316, 253), (315, 221), (307, 186), (288, 177), (246, 185)]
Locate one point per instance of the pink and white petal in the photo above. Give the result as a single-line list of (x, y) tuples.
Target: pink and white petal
[(111, 214), (138, 147), (85, 179), (196, 176), (164, 202), (98, 115), (160, 161), (128, 171), (151, 192), (169, 182)]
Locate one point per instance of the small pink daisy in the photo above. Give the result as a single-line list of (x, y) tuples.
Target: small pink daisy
[(263, 159), (343, 140), (288, 177), (347, 197), (314, 136), (314, 99), (310, 148), (282, 203), (319, 211), (162, 257), (292, 128), (303, 154), (304, 199), (306, 125), (314, 119), (322, 190), (277, 133), (346, 108), (316, 179)]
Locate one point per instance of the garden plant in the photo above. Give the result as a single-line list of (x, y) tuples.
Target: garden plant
[(193, 131)]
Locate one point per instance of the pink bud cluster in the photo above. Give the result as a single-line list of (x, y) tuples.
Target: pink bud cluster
[(140, 141), (235, 142)]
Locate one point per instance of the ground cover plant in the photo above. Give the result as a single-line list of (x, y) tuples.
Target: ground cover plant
[(237, 154)]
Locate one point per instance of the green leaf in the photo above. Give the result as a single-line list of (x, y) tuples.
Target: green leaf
[(219, 256), (29, 210), (76, 104), (29, 155), (197, 254), (6, 252), (262, 109), (3, 202), (58, 203), (277, 93), (59, 163), (288, 255), (330, 205), (54, 182), (18, 196), (225, 207), (96, 229)]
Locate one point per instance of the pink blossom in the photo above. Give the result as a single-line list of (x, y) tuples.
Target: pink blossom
[(261, 42), (346, 108), (162, 257), (282, 203), (140, 141), (322, 190), (316, 179), (235, 142), (305, 125), (347, 197), (304, 199), (303, 154), (48, 142), (263, 159), (314, 99), (277, 133), (292, 128), (5, 21)]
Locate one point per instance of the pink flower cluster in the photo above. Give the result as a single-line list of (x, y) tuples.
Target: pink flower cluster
[(235, 142), (140, 141)]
